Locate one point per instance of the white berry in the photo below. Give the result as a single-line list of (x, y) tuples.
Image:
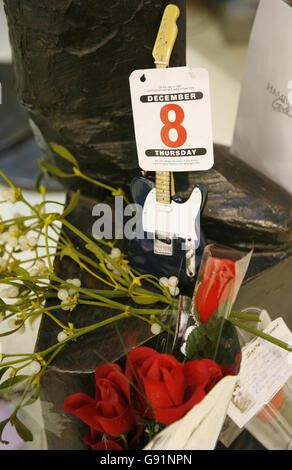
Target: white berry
[(156, 329), (12, 242), (34, 272), (40, 264), (32, 241), (174, 291), (63, 294), (13, 230), (23, 242), (76, 282), (173, 281), (62, 336), (115, 253), (5, 237), (67, 307), (163, 281), (10, 292), (35, 367), (9, 195)]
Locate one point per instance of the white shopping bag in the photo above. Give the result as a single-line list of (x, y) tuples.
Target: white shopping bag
[(263, 131), (199, 429)]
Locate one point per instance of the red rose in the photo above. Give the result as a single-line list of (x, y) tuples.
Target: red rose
[(216, 286), (110, 412), (203, 373), (165, 390), (96, 442), (233, 368)]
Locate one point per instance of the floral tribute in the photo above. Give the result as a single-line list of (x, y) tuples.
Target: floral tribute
[(157, 389), (154, 390)]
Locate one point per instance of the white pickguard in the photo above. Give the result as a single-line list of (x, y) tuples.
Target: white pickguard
[(181, 220)]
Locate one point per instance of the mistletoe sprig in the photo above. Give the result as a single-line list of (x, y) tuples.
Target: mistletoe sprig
[(30, 281)]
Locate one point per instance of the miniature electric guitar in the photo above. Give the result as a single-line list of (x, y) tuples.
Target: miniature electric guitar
[(173, 241)]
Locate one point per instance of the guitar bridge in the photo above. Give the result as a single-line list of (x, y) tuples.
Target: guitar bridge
[(163, 244)]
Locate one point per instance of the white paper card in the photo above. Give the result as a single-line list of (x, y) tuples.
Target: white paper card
[(263, 131), (265, 368), (172, 119)]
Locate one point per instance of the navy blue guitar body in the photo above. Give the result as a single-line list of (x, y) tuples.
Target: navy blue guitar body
[(141, 251)]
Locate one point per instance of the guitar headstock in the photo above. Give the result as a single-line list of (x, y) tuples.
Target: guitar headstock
[(166, 36)]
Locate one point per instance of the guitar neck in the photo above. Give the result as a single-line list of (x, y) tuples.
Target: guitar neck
[(163, 186), (161, 52)]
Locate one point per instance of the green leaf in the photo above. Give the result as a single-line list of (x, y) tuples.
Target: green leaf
[(72, 204), (144, 299), (2, 306), (13, 381), (22, 430), (21, 271), (68, 251), (33, 397), (96, 250), (3, 370), (54, 170), (39, 180), (7, 333), (63, 152), (201, 341), (193, 345), (2, 426), (101, 255)]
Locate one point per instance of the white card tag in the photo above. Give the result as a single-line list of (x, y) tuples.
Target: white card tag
[(172, 119), (265, 368)]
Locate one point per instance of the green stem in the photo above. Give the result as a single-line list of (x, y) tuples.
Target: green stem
[(83, 331), (219, 338), (22, 397), (47, 247), (245, 316), (102, 185), (91, 242), (33, 209), (7, 180), (261, 334), (4, 364)]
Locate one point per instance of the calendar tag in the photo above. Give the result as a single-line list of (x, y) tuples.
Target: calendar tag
[(172, 119)]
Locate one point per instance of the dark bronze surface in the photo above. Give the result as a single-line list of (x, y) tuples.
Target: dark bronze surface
[(72, 63), (18, 149), (244, 208), (13, 117)]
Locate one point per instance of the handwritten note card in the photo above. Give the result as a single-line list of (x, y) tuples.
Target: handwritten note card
[(265, 368)]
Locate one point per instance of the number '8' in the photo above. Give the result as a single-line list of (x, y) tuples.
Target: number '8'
[(176, 124)]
